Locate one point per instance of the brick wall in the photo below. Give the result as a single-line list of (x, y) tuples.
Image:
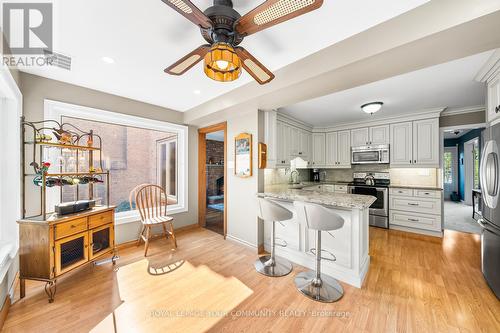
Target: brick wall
[(215, 154)]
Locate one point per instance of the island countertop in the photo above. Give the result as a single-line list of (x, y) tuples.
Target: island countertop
[(342, 200)]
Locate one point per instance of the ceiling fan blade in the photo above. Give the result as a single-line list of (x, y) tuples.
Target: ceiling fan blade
[(188, 61), (258, 71), (187, 9), (273, 12)]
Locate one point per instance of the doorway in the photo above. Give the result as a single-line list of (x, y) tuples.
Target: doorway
[(212, 176), (460, 161)]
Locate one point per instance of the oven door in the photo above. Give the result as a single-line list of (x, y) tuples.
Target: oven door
[(381, 206), (366, 156)]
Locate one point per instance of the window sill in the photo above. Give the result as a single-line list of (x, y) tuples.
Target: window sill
[(136, 217)]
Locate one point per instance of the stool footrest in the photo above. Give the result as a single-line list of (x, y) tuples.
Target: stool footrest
[(333, 258), (283, 242)]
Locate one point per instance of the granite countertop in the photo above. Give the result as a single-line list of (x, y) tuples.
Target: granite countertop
[(325, 182), (417, 187), (343, 200)]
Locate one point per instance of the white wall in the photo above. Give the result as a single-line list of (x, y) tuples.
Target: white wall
[(241, 214)]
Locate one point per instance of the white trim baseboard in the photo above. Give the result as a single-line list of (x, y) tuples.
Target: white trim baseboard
[(241, 241)]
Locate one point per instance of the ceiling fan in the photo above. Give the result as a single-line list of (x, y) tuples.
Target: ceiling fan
[(224, 29)]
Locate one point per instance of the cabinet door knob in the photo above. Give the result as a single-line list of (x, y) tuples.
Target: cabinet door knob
[(415, 161), (497, 109)]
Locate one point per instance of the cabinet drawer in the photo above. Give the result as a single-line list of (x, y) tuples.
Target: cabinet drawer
[(427, 194), (70, 228), (416, 205), (417, 221), (341, 188), (100, 219), (407, 192)]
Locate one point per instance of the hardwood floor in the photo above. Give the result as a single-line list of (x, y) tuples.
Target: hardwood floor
[(415, 284), (214, 221)]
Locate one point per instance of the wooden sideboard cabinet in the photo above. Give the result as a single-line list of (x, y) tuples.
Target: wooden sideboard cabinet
[(50, 248)]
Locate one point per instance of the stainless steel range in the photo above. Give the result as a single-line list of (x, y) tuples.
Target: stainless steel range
[(375, 184)]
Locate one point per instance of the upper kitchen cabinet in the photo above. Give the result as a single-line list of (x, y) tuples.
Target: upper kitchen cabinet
[(401, 144), (338, 149), (377, 135), (360, 137), (426, 142), (285, 141), (415, 144), (319, 149), (494, 98), (490, 74)]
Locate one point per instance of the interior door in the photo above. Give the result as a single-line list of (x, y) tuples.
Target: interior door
[(450, 171)]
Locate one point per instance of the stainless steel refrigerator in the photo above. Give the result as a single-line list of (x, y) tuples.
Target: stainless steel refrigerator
[(490, 222)]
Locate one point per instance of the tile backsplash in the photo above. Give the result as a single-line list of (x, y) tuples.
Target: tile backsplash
[(403, 176)]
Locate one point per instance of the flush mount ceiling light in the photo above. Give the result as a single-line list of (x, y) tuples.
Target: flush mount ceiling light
[(224, 29), (372, 107)]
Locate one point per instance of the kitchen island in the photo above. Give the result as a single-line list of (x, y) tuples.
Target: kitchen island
[(349, 244)]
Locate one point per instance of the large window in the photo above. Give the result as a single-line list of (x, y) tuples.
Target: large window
[(135, 150)]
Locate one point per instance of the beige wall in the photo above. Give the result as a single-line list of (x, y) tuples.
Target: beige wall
[(463, 119), (35, 89)]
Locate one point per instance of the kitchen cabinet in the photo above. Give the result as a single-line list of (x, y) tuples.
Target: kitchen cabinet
[(304, 144), (319, 149), (426, 142), (416, 210), (338, 149), (282, 144), (415, 143), (494, 98), (377, 135), (360, 137)]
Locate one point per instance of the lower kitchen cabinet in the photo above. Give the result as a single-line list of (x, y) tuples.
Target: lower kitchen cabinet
[(416, 210)]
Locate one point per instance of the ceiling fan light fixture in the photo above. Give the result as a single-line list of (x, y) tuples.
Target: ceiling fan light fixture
[(372, 107), (222, 63)]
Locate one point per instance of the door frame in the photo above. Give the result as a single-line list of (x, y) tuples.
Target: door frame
[(468, 170), (202, 175), (455, 169)]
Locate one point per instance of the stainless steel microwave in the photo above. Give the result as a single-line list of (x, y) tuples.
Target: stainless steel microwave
[(378, 154)]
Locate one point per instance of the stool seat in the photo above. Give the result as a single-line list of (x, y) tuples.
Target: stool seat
[(313, 284), (271, 265)]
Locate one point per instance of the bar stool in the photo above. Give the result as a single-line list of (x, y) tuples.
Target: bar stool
[(313, 284), (272, 265)]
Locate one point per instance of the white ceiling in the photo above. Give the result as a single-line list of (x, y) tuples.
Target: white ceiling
[(144, 37), (447, 85)]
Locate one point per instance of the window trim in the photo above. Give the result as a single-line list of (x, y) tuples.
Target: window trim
[(55, 110)]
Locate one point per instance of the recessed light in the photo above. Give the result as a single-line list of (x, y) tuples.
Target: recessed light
[(108, 60), (372, 107), (197, 92)]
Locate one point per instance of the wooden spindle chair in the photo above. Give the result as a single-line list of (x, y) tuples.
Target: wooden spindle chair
[(152, 206)]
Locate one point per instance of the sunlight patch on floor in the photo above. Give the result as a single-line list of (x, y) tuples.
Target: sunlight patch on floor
[(187, 299)]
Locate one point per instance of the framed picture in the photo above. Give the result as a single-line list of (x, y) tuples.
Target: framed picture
[(243, 155)]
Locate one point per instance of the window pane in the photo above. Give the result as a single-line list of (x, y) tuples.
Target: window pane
[(131, 155)]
